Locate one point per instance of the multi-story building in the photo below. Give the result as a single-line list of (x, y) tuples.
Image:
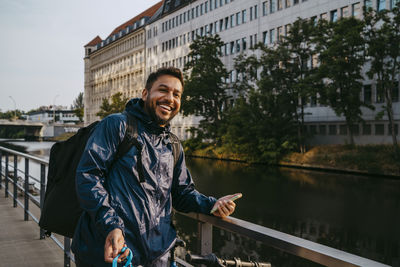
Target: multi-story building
[(62, 116), (116, 64), (241, 24)]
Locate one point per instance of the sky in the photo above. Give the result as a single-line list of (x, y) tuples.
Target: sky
[(41, 46)]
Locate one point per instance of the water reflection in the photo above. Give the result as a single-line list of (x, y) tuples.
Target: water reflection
[(357, 214)]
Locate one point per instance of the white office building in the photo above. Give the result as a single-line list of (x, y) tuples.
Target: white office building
[(241, 24)]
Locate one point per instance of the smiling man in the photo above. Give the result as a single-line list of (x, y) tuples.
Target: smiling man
[(127, 201)]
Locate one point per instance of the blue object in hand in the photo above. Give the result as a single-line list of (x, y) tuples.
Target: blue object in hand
[(128, 260)]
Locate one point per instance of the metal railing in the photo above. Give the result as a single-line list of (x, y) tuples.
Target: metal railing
[(6, 178), (300, 247)]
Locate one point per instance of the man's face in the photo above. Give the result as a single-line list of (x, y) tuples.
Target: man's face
[(163, 101)]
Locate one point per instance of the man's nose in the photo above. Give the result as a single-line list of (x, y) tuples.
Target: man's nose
[(170, 96)]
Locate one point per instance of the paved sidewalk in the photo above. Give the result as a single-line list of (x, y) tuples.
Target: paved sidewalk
[(19, 240)]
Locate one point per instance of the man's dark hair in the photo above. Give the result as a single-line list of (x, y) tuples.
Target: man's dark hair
[(175, 72)]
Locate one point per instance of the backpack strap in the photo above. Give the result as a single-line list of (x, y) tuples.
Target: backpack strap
[(131, 139)]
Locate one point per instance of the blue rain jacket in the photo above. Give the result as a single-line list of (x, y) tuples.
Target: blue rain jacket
[(112, 196)]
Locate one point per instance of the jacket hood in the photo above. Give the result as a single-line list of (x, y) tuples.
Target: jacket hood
[(135, 107)]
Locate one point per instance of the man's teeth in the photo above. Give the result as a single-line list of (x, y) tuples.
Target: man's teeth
[(166, 107)]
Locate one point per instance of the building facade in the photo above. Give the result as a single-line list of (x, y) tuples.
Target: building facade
[(116, 64), (241, 24)]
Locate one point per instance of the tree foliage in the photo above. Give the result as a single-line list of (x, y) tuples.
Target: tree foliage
[(383, 48), (118, 102), (342, 58), (205, 89), (78, 106)]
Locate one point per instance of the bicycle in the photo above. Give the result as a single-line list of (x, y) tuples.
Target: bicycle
[(211, 260)]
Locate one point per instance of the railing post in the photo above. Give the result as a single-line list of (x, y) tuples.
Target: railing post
[(6, 178), (205, 238), (42, 190), (15, 191), (1, 168), (67, 252), (26, 194)]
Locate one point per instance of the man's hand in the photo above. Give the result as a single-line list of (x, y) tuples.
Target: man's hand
[(115, 241), (225, 205)]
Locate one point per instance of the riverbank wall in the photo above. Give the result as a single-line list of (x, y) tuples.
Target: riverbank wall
[(370, 160)]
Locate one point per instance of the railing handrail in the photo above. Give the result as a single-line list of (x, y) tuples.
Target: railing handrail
[(297, 246), (294, 245), (14, 152)]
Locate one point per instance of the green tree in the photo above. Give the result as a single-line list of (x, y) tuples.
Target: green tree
[(261, 125), (78, 106), (205, 89), (342, 58), (298, 70), (118, 102), (383, 48)]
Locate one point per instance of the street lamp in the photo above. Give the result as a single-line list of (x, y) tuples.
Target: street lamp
[(15, 107), (54, 109)]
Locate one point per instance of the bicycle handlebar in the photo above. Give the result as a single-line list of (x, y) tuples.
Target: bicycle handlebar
[(212, 260)]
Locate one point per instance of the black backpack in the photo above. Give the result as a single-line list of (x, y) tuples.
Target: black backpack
[(61, 210)]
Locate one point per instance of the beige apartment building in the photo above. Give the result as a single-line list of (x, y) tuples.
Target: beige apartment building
[(116, 64)]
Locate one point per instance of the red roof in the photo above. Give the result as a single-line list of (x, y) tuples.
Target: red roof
[(95, 41), (147, 13)]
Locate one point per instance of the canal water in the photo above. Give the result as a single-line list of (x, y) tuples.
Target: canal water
[(357, 214)]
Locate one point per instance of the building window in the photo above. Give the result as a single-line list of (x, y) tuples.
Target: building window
[(226, 23), (313, 129), (244, 16), (280, 4), (393, 3), (272, 6), (232, 47), (332, 129), (272, 36), (343, 129), (344, 12), (366, 129), (355, 10), (238, 46), (379, 129), (221, 25), (322, 129), (368, 3), (367, 94), (295, 2), (244, 43), (255, 12), (356, 129), (211, 5), (381, 5), (238, 20), (265, 8), (287, 3), (324, 16), (205, 7), (232, 21), (251, 13), (265, 37), (334, 15), (280, 33), (287, 29)]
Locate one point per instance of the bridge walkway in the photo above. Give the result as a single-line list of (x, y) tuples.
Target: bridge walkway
[(20, 245)]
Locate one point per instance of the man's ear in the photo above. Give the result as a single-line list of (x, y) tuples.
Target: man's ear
[(144, 94)]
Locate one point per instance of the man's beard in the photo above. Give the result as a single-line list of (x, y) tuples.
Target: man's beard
[(153, 115)]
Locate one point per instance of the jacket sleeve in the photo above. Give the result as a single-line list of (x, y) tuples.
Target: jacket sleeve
[(185, 197), (92, 169)]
